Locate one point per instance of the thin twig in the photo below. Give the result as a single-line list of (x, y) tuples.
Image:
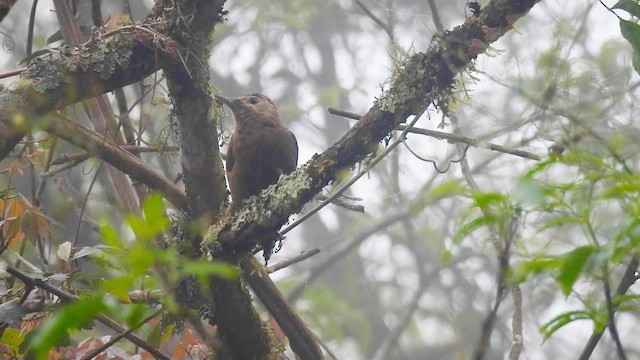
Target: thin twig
[(120, 335), (435, 16), (628, 279), (348, 184), (346, 247), (293, 260), (343, 203), (70, 165), (47, 166), (377, 20), (503, 257), (613, 330), (452, 138), (407, 316), (84, 205)]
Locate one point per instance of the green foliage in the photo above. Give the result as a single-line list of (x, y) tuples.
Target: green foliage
[(630, 6), (599, 319), (56, 328), (596, 202), (571, 265), (630, 30), (125, 266), (495, 209), (12, 338)]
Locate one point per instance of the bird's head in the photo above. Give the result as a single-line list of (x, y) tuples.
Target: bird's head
[(251, 108)]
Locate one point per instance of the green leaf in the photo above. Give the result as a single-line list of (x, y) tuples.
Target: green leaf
[(110, 236), (561, 320), (469, 227), (132, 314), (560, 221), (631, 32), (629, 6), (621, 189), (619, 300), (57, 326), (571, 266), (155, 220), (154, 211), (204, 269), (488, 198), (161, 333), (528, 192), (118, 287), (12, 338), (522, 270)]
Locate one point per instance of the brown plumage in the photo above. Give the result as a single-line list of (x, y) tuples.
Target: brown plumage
[(261, 148)]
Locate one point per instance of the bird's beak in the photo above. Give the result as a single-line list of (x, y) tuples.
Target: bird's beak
[(224, 100)]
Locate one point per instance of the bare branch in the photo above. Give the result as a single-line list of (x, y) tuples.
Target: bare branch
[(303, 342), (629, 278), (123, 160), (516, 324), (293, 260), (120, 335), (452, 138)]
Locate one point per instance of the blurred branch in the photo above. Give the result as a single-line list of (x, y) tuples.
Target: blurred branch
[(346, 247), (100, 113), (516, 324), (502, 236), (343, 203), (408, 315), (303, 342), (68, 297), (5, 7), (613, 330), (435, 15), (117, 337), (377, 20), (504, 248), (47, 165), (32, 22), (104, 149)]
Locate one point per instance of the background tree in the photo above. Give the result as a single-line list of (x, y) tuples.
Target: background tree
[(472, 247)]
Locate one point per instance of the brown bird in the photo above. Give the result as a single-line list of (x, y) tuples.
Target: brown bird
[(261, 148)]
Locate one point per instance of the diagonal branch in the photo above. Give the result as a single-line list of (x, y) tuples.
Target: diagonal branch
[(472, 141), (69, 75), (424, 79), (126, 162), (628, 278), (68, 297)]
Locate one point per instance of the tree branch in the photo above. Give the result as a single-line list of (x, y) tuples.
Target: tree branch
[(424, 79), (473, 141), (126, 162), (69, 75), (30, 281)]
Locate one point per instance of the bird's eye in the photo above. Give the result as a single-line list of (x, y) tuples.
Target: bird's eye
[(253, 100)]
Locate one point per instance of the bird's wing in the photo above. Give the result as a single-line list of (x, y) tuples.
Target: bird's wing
[(230, 157), (295, 146)]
